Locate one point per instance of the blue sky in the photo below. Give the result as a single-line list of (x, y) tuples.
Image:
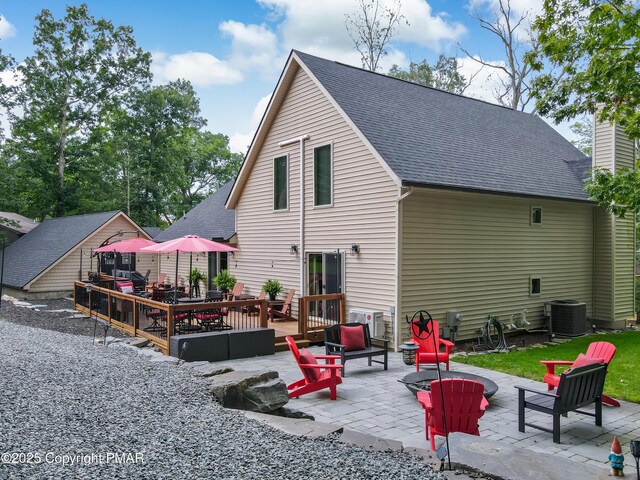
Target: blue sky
[(233, 51)]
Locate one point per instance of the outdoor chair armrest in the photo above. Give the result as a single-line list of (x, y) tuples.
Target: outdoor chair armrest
[(424, 398), (330, 358), (447, 344), (384, 341), (323, 366), (335, 345), (539, 392), (551, 364)]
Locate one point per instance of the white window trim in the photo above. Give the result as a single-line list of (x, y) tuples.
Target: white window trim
[(531, 216), (273, 184), (531, 279), (328, 205)]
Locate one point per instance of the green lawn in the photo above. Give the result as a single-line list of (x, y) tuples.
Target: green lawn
[(623, 375)]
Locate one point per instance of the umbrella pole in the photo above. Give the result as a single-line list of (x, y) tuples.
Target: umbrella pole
[(175, 290), (190, 264), (113, 272)]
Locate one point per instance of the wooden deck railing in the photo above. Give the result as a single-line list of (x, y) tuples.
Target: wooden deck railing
[(158, 321), (317, 312)]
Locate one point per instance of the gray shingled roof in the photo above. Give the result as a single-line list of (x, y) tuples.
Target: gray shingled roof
[(209, 219), (31, 254), (152, 231), (430, 137), (24, 224)]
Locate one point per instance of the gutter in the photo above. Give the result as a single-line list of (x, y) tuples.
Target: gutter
[(396, 313)]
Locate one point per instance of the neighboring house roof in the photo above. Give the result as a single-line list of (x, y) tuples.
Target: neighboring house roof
[(152, 231), (33, 253), (24, 224), (209, 219), (429, 137)]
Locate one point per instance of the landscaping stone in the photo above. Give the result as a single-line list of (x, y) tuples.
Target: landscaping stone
[(139, 342), (497, 459), (296, 426), (369, 442), (254, 391), (291, 413), (212, 370)]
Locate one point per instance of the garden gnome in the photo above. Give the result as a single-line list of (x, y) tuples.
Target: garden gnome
[(616, 458)]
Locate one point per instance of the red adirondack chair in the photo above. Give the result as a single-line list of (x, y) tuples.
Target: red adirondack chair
[(464, 405), (282, 311), (317, 376), (426, 354), (598, 352)]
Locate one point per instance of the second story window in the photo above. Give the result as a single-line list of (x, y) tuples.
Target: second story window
[(280, 183), (322, 176)]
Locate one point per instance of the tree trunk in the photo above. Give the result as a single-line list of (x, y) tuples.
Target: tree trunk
[(61, 156)]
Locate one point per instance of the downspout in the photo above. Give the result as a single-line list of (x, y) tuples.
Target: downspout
[(396, 316), (300, 139)]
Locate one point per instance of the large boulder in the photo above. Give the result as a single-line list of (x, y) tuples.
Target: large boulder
[(254, 391)]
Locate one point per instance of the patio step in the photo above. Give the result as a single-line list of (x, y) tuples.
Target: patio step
[(301, 343)]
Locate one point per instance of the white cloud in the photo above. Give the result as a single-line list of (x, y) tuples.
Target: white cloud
[(485, 81), (239, 142), (200, 68), (319, 27), (425, 28), (252, 46), (7, 30)]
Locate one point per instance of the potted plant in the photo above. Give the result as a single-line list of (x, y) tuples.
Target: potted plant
[(272, 288), (196, 276), (224, 281)]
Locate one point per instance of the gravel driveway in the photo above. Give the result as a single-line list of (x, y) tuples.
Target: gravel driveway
[(63, 396)]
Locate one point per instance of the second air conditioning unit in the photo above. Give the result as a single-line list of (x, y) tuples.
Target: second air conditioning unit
[(373, 318)]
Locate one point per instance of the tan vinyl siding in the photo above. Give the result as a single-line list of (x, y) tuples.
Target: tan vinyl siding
[(168, 266), (624, 270), (62, 275), (603, 277), (603, 145), (363, 209), (614, 237), (625, 150), (476, 252)]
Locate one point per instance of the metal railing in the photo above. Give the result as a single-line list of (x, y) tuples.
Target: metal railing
[(159, 321)]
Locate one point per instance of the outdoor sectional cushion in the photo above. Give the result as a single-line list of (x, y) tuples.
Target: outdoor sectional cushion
[(307, 358), (125, 287), (352, 338)]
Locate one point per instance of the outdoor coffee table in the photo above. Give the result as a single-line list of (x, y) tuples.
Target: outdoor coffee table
[(422, 380)]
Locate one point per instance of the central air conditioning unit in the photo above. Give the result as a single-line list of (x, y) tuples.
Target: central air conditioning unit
[(373, 318), (568, 317)]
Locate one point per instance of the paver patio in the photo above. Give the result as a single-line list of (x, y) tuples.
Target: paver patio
[(371, 400)]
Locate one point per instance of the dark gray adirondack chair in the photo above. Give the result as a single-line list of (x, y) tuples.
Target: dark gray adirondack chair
[(578, 388)]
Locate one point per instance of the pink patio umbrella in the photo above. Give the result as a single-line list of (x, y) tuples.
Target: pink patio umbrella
[(132, 245), (188, 244)]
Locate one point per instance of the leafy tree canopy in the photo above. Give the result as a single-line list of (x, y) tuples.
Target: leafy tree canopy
[(443, 75), (595, 46)]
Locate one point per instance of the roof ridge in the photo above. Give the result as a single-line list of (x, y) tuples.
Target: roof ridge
[(416, 84)]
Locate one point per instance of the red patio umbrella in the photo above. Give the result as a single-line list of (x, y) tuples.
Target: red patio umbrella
[(131, 245), (191, 244)]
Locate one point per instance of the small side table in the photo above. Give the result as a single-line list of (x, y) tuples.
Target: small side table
[(409, 352)]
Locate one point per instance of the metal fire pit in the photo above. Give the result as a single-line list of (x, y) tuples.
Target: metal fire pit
[(418, 381)]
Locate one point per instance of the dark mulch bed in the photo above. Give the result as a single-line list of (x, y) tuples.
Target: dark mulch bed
[(48, 318)]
